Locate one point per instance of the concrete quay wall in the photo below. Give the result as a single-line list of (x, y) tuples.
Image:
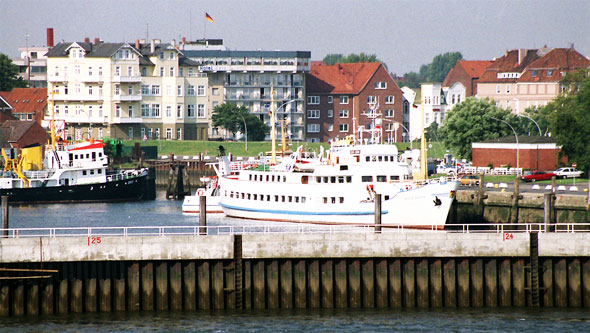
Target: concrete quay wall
[(277, 246)]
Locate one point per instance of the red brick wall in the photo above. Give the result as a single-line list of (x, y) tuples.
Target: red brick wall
[(547, 160), (458, 74)]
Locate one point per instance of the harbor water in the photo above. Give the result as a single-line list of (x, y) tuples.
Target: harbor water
[(162, 212)]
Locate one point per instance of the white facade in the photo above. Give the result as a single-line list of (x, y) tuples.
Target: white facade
[(433, 103), (32, 65)]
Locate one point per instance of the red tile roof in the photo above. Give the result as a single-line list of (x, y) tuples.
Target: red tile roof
[(26, 100), (513, 61), (548, 68), (346, 78), (474, 68)]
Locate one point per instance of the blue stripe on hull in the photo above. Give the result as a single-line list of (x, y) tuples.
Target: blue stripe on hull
[(293, 212)]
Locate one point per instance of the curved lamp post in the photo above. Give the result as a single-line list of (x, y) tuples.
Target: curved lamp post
[(523, 115), (245, 130), (516, 136)]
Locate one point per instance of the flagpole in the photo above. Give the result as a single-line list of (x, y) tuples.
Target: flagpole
[(205, 28)]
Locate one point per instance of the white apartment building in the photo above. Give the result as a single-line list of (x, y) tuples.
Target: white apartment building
[(120, 90)]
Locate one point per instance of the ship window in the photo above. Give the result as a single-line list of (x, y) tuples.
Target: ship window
[(83, 172), (357, 158), (382, 179), (249, 196), (333, 200), (394, 177), (255, 196), (282, 198), (231, 194), (94, 156), (267, 177), (368, 158), (304, 180), (349, 179), (250, 177), (99, 171), (341, 199), (386, 158), (341, 179), (267, 197), (92, 172), (373, 158), (325, 179), (284, 179), (302, 199), (380, 158), (243, 196), (87, 155), (366, 179), (318, 179), (343, 167), (290, 199), (296, 199), (325, 200), (333, 179), (386, 197)]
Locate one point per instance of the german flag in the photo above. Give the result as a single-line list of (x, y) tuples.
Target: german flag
[(208, 17)]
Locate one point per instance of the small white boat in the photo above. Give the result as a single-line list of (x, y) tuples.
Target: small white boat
[(191, 203)]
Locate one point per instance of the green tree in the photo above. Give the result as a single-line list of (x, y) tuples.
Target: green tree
[(436, 71), (232, 118), (336, 58), (9, 75), (431, 133), (569, 118), (470, 121)]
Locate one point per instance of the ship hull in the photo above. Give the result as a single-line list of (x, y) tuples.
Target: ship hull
[(132, 189)]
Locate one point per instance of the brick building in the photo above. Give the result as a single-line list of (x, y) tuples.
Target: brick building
[(28, 104), (534, 153), (339, 97), (461, 81)]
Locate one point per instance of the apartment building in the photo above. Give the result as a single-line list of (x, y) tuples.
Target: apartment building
[(26, 104), (340, 96), (246, 78), (32, 64), (121, 90), (461, 81), (528, 77)]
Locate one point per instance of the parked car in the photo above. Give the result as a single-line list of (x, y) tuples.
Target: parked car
[(469, 180), (531, 176), (567, 172)]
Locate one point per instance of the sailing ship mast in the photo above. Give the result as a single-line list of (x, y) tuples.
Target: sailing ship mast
[(273, 136)]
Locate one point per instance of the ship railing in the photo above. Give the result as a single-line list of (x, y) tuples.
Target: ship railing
[(485, 228), (128, 174), (40, 174)]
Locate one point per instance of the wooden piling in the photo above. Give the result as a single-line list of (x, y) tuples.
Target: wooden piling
[(272, 284), (515, 197), (119, 286), (560, 282), (477, 289), (422, 288), (238, 282), (547, 279), (203, 215), (258, 287), (32, 298), (313, 284), (436, 286), (5, 217), (586, 282), (300, 284), (147, 286), (161, 286), (47, 296), (354, 284), (91, 284), (463, 283), (189, 283), (381, 300), (229, 278), (368, 283), (76, 292), (340, 284), (505, 283), (203, 286), (247, 284), (286, 278), (534, 272), (175, 292), (62, 290), (18, 299), (217, 285), (409, 283), (377, 213), (327, 284), (395, 283), (491, 282), (574, 283), (104, 286), (4, 300), (133, 283), (450, 283)]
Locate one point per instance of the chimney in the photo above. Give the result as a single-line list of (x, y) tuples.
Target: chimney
[(152, 47), (173, 43), (86, 39), (521, 55), (137, 45), (183, 40), (96, 40), (50, 37)]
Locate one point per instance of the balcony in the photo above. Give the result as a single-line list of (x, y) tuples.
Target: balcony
[(128, 78), (77, 97), (91, 78), (57, 77), (126, 120), (127, 98)]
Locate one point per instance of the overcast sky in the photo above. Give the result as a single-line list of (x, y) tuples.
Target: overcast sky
[(404, 34)]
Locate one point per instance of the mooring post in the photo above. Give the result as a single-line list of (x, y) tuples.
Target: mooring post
[(480, 197), (202, 215), (515, 197), (238, 268), (4, 216), (547, 201), (534, 252), (377, 213)]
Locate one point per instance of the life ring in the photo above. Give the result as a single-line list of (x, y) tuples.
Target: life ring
[(200, 192), (408, 187)]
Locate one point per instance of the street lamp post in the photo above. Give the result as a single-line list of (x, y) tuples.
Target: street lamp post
[(245, 130), (539, 128), (516, 136)]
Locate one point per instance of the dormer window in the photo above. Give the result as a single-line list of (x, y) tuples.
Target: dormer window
[(171, 55), (549, 72), (534, 73)]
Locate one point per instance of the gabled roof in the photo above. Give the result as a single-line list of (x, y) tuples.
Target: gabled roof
[(474, 68), (98, 50), (26, 100), (14, 130), (548, 68), (513, 61), (345, 78)]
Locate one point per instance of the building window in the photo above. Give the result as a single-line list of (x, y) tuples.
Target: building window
[(330, 127), (150, 133), (130, 90), (508, 89), (201, 111), (158, 133), (343, 99), (371, 99), (181, 72), (406, 107), (215, 91), (343, 113), (89, 71), (143, 132), (118, 110), (313, 99), (89, 111), (190, 110), (549, 72), (534, 74), (117, 89), (389, 113), (155, 110), (381, 85), (130, 132), (117, 70), (145, 110), (89, 90), (168, 133), (343, 127), (498, 89), (201, 90), (145, 89), (156, 90), (313, 114), (171, 72), (143, 71), (190, 90), (330, 113), (179, 90), (330, 99), (130, 71), (168, 111), (389, 99), (313, 128), (179, 111), (179, 134), (161, 71), (100, 111), (130, 110)]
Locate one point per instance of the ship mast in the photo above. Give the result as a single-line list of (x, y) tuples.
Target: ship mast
[(53, 118), (423, 173), (273, 135)]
